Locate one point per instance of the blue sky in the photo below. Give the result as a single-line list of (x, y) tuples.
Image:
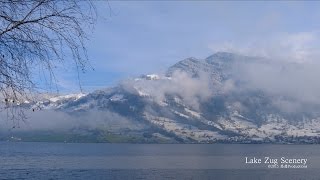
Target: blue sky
[(143, 37)]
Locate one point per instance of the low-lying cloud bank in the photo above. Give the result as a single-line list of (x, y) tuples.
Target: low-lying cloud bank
[(291, 84), (58, 120), (298, 81), (191, 90), (290, 66)]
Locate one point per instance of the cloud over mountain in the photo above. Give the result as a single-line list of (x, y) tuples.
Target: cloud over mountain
[(226, 95)]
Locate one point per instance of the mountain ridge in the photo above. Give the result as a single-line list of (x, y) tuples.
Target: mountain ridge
[(197, 100)]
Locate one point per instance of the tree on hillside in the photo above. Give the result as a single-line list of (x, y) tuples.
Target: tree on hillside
[(39, 33)]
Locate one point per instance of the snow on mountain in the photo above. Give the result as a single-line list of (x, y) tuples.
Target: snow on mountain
[(54, 101), (200, 100), (67, 97)]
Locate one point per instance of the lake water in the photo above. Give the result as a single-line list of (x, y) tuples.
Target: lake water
[(28, 160)]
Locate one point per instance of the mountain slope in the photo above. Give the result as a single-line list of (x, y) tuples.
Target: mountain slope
[(200, 100)]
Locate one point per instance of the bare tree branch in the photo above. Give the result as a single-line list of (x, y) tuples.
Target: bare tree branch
[(39, 33)]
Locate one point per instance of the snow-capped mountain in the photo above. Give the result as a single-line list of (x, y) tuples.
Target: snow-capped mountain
[(203, 100)]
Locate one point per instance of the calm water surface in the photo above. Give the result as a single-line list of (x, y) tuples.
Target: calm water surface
[(19, 160)]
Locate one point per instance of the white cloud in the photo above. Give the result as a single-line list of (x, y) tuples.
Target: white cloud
[(293, 47), (58, 120), (191, 90), (295, 80)]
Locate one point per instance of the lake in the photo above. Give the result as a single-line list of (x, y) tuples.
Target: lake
[(33, 160)]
